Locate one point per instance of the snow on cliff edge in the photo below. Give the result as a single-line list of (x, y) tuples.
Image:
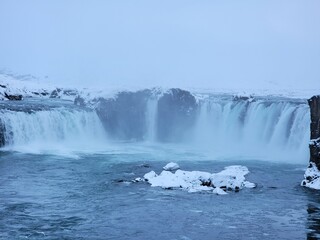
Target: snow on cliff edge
[(27, 88), (32, 87)]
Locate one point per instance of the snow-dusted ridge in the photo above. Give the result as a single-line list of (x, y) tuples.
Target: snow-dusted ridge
[(232, 178), (32, 87), (10, 85)]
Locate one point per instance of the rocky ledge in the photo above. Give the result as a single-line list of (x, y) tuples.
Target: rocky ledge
[(312, 175)]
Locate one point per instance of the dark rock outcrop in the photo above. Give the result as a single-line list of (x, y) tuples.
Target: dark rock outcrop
[(177, 112), (79, 101), (13, 97), (43, 93), (314, 146), (2, 134), (58, 93), (55, 93), (124, 116)]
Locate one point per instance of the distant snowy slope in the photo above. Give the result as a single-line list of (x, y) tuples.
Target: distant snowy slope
[(32, 87), (29, 86), (10, 85)]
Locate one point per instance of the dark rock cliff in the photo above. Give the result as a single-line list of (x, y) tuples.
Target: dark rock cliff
[(177, 112), (314, 146), (124, 116)]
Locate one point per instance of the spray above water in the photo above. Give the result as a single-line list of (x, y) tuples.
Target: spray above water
[(260, 129), (217, 127), (56, 130)]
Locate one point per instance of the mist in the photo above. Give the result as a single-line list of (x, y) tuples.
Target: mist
[(207, 44)]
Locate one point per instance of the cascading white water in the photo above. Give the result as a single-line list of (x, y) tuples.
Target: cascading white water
[(151, 120), (260, 129), (60, 128)]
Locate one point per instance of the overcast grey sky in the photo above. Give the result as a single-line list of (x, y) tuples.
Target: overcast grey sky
[(206, 43)]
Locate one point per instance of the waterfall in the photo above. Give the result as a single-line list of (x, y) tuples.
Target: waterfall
[(259, 129), (151, 120), (67, 128), (220, 126)]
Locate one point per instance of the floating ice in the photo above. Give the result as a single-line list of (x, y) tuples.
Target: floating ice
[(171, 166), (219, 191), (232, 178), (312, 177)]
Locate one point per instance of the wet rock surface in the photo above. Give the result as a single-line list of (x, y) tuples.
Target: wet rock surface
[(312, 174), (177, 112), (314, 104), (124, 116), (13, 97)]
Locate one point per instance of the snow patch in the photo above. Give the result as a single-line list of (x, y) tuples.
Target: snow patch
[(311, 177), (315, 142), (10, 85), (232, 178)]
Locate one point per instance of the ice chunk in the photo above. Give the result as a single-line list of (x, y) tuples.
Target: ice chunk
[(219, 191), (232, 178), (171, 166), (249, 184), (150, 175)]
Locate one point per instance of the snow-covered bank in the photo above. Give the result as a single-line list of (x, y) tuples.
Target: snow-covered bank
[(10, 85), (33, 87), (311, 177), (232, 178)]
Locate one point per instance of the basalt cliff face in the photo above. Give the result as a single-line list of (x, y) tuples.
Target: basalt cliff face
[(148, 115), (314, 104), (312, 175)]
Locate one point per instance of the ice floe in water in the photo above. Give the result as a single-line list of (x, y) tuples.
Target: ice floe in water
[(311, 177), (171, 166), (232, 178)]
